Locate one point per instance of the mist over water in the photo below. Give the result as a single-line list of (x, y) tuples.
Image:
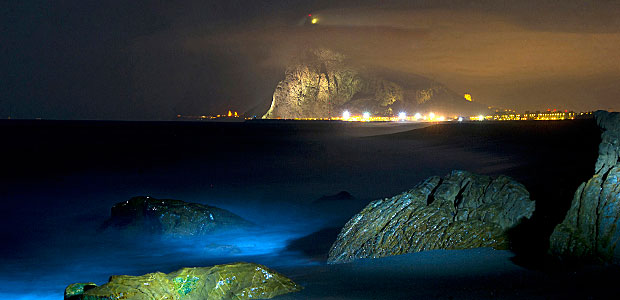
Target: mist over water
[(69, 174), (67, 245), (72, 249)]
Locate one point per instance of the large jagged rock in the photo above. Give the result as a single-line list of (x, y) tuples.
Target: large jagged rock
[(591, 228), (322, 83), (231, 281), (171, 217), (459, 211)]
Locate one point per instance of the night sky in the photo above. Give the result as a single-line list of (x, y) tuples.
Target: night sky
[(152, 60)]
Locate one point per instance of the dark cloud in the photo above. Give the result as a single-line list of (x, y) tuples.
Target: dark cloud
[(155, 59)]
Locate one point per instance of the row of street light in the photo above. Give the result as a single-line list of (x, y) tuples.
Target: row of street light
[(402, 116)]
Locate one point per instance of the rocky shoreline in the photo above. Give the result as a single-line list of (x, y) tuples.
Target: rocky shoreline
[(459, 211)]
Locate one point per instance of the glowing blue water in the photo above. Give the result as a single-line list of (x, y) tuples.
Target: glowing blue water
[(73, 251)]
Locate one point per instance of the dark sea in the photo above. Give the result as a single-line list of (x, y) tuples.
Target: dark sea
[(59, 180)]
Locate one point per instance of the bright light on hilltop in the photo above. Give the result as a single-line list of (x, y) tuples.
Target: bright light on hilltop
[(468, 97), (346, 115), (402, 115), (366, 115)]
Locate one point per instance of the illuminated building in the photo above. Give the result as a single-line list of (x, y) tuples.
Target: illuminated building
[(543, 116)]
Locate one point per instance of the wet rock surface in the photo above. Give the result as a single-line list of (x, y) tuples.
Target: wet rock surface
[(460, 211), (591, 230), (170, 217), (75, 290), (230, 281)]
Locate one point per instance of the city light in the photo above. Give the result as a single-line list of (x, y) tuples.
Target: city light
[(346, 115), (505, 115), (315, 20)]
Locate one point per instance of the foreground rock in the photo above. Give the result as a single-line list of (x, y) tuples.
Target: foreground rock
[(231, 281), (171, 217), (591, 228), (459, 211)]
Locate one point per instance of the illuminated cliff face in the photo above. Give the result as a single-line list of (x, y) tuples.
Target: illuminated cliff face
[(322, 84)]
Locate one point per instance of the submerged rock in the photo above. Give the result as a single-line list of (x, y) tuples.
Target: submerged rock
[(230, 281), (222, 250), (171, 217), (336, 198), (591, 228), (459, 211)]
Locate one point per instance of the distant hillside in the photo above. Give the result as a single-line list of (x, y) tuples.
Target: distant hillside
[(322, 84)]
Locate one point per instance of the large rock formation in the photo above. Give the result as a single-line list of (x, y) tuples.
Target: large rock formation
[(459, 211), (232, 281), (323, 84), (591, 228), (171, 217)]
